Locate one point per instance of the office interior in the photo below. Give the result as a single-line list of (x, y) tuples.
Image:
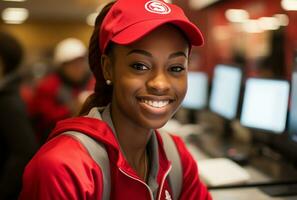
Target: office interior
[(239, 117)]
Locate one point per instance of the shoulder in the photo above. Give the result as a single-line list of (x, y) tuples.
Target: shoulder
[(62, 149), (61, 169), (193, 188), (62, 155), (187, 161), (48, 82), (185, 155), (186, 158), (180, 145)]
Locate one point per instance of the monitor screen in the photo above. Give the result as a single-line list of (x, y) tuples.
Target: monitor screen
[(225, 91), (293, 108), (265, 104), (196, 97)]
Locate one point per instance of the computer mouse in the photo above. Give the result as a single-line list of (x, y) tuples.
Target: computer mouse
[(239, 157)]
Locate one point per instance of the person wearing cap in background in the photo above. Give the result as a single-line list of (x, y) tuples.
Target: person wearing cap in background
[(17, 139), (138, 53), (58, 95)]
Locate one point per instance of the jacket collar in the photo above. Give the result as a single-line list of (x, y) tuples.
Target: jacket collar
[(98, 125), (103, 113)]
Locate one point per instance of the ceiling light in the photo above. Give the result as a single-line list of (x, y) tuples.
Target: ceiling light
[(252, 26), (15, 15), (91, 18), (289, 4), (15, 0), (237, 15), (268, 23), (194, 4), (283, 19)]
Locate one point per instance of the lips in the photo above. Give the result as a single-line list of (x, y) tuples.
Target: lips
[(155, 105)]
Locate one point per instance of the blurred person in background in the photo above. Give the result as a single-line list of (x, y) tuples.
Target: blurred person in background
[(17, 139), (60, 94)]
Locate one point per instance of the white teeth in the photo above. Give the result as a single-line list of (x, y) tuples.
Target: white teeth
[(156, 104)]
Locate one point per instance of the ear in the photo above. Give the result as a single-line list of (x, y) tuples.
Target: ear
[(106, 65)]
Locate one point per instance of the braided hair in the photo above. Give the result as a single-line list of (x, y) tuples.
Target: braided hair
[(103, 92)]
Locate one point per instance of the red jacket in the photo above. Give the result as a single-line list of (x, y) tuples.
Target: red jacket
[(63, 169), (54, 100)]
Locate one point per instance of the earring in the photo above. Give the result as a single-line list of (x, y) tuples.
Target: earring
[(108, 82)]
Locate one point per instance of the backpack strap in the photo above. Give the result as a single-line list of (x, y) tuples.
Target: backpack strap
[(175, 175), (98, 153)]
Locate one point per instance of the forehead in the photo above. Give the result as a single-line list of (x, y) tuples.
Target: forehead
[(165, 38)]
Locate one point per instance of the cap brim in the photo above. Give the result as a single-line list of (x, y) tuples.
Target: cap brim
[(137, 31)]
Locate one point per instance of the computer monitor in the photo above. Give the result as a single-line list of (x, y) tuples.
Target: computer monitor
[(265, 104), (292, 129), (196, 97), (287, 143), (225, 91)]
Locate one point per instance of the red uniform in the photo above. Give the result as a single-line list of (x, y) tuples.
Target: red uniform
[(63, 169), (54, 101)]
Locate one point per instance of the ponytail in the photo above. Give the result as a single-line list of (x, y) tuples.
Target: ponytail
[(103, 92)]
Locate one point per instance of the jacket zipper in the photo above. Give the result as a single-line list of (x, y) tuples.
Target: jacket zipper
[(163, 180), (150, 191)]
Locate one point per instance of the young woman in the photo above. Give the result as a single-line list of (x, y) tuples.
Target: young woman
[(138, 54)]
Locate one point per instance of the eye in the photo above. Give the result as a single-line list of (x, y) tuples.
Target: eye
[(139, 66), (176, 69)]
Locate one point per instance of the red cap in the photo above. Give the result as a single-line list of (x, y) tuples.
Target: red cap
[(130, 20)]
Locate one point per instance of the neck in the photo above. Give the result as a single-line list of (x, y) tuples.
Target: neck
[(133, 141)]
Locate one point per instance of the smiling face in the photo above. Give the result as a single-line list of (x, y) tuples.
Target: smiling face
[(149, 78)]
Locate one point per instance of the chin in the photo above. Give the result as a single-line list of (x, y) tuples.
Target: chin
[(156, 124)]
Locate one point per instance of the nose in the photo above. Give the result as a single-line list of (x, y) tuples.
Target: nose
[(158, 83)]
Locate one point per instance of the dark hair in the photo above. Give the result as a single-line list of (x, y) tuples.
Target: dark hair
[(11, 52), (103, 92)]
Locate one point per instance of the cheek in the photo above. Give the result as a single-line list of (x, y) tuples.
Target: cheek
[(125, 79), (181, 88), (126, 87)]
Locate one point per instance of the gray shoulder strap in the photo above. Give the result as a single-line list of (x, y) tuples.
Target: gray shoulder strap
[(98, 152), (175, 175)]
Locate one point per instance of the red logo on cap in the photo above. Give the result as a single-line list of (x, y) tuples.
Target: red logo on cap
[(157, 7)]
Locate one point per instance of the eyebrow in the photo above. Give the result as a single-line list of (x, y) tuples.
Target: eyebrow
[(139, 51), (143, 52), (177, 54)]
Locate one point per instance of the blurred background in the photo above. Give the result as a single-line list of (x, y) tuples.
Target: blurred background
[(242, 99), (235, 31)]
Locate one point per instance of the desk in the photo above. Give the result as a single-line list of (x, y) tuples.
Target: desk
[(245, 194), (246, 191)]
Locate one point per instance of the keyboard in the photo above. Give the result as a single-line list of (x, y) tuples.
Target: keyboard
[(280, 190), (222, 172), (217, 147)]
